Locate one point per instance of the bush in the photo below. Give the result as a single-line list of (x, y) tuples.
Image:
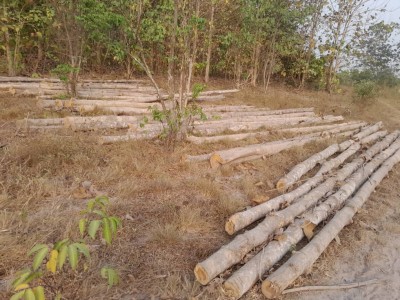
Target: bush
[(365, 90)]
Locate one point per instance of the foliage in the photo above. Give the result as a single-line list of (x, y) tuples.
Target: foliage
[(50, 268), (365, 90)]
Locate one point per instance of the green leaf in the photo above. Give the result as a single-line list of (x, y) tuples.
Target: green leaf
[(99, 212), (18, 295), (58, 296), (73, 256), (37, 248), (21, 277), (113, 225), (39, 257), (90, 204), (62, 256), (83, 249), (111, 275), (29, 295), (103, 200), (59, 244), (107, 231), (93, 227), (82, 226), (39, 293)]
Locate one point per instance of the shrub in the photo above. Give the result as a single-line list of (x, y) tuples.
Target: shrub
[(365, 90)]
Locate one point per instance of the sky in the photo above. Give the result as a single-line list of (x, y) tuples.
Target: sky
[(393, 10)]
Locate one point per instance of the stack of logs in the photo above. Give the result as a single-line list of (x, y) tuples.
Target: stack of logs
[(115, 96), (348, 173)]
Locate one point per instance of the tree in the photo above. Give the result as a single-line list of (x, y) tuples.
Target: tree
[(378, 54)]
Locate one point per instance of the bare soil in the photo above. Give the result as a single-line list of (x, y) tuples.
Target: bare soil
[(174, 212)]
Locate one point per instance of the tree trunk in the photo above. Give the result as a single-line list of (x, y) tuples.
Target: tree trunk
[(209, 46)]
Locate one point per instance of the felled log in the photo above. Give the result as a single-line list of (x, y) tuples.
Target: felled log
[(230, 108), (215, 128), (300, 169), (244, 278), (302, 116), (130, 137), (301, 261), (40, 122), (99, 122), (228, 137), (242, 219), (44, 103), (371, 129), (335, 201), (348, 125), (233, 252), (378, 134)]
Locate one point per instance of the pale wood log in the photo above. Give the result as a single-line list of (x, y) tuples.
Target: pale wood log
[(371, 129), (219, 92), (230, 108), (261, 112), (124, 138), (228, 137), (216, 128), (234, 251), (242, 219), (369, 153), (40, 122), (258, 118), (43, 103), (334, 202), (378, 134), (99, 122), (302, 260), (299, 170), (244, 278), (210, 97), (348, 126)]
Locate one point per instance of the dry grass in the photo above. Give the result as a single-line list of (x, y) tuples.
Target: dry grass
[(173, 212)]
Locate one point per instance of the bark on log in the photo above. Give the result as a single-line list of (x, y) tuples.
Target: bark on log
[(334, 202), (216, 128), (234, 251), (299, 170), (302, 260), (225, 115), (369, 153), (371, 129), (43, 103), (244, 278), (100, 122), (259, 118), (348, 126), (229, 137), (368, 139), (40, 122), (130, 137), (242, 219)]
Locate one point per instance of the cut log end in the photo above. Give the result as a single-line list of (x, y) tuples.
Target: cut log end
[(269, 290), (230, 227), (201, 275), (231, 290), (215, 161), (281, 185), (308, 229)]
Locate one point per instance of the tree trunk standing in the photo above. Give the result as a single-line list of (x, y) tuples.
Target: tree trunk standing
[(315, 21), (209, 46), (238, 71), (10, 61), (269, 64), (256, 61)]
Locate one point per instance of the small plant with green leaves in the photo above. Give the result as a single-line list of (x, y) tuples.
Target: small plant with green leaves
[(365, 90), (68, 75), (53, 265)]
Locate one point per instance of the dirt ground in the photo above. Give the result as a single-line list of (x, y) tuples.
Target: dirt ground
[(173, 212)]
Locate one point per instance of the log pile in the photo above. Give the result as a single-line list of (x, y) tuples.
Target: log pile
[(116, 96), (348, 173)]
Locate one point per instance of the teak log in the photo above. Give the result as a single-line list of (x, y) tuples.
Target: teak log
[(301, 261)]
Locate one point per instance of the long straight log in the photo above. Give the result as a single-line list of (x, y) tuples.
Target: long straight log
[(234, 251), (367, 139), (99, 122), (244, 278), (242, 219), (258, 118), (371, 129), (302, 260), (209, 129), (43, 103), (300, 169), (40, 122), (348, 125), (236, 114)]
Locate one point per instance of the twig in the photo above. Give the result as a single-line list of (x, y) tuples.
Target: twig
[(333, 287)]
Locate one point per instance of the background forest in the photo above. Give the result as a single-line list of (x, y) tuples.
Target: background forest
[(304, 43)]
